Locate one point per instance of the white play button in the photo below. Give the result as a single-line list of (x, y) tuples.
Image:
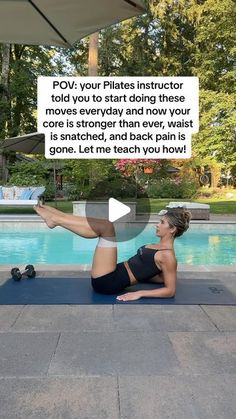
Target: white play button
[(117, 210), (100, 206)]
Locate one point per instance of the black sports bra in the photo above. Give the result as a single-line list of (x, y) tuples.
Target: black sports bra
[(142, 265)]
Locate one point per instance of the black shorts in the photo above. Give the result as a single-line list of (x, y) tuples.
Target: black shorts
[(112, 283)]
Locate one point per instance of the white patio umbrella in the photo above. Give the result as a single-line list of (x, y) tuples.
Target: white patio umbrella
[(60, 22), (28, 144)]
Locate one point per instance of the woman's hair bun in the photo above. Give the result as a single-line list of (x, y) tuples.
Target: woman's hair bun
[(179, 217), (187, 215)]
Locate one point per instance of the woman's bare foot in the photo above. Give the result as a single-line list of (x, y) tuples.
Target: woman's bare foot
[(46, 215), (52, 209)]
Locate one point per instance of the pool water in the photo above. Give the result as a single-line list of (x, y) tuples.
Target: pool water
[(199, 246)]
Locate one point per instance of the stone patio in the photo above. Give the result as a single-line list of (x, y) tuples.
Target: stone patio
[(118, 362)]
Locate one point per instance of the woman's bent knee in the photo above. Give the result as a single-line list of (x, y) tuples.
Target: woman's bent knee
[(108, 229)]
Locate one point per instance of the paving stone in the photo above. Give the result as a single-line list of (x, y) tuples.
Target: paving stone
[(223, 274), (26, 354), (205, 352), (185, 397), (59, 398), (171, 360), (65, 318), (213, 395), (127, 353), (224, 317), (231, 283), (8, 316), (162, 318)]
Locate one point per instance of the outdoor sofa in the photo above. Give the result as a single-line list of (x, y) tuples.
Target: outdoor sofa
[(198, 211), (20, 196)]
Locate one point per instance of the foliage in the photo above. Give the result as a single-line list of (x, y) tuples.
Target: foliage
[(27, 174), (217, 193), (215, 45), (83, 175), (49, 192), (176, 22), (119, 188), (88, 171), (159, 43), (174, 38), (184, 38), (132, 167), (30, 168), (216, 137), (25, 180), (75, 191), (172, 188), (25, 65), (109, 51), (190, 169)]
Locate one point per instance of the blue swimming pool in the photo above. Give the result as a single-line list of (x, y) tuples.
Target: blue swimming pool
[(30, 243)]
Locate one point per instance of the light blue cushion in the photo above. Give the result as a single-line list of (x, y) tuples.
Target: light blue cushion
[(1, 194), (8, 192), (26, 194), (37, 191), (18, 190)]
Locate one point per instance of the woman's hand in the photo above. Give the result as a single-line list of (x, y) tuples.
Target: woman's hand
[(130, 296)]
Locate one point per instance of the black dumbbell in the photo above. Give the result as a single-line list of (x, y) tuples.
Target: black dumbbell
[(17, 274)]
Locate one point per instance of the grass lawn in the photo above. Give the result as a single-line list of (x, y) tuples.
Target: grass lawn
[(217, 206), (65, 206)]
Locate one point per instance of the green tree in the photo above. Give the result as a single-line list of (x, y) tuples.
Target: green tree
[(216, 135), (18, 84), (161, 42), (215, 46), (176, 23)]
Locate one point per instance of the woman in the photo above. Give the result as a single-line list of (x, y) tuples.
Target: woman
[(152, 263)]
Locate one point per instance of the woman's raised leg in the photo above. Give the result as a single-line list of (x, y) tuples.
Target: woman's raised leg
[(105, 258)]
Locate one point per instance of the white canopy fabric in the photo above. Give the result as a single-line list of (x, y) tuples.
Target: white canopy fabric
[(60, 22), (29, 144)]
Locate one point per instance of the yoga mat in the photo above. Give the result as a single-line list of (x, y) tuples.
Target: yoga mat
[(79, 291)]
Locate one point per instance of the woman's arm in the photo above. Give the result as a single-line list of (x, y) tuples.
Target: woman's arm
[(169, 268), (157, 279), (136, 295)]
